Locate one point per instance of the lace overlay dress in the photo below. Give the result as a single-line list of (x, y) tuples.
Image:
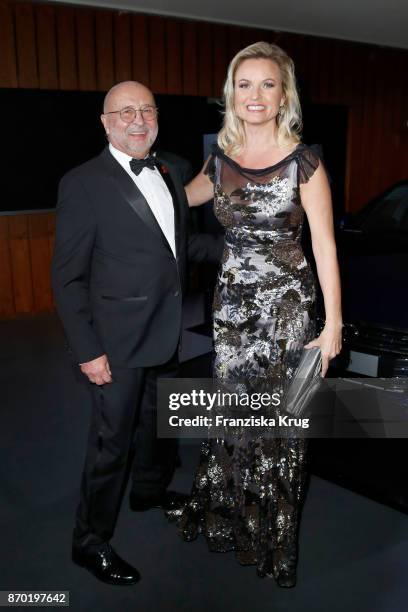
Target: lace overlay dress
[(247, 492)]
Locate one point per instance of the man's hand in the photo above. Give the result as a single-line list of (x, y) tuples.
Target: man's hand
[(97, 370)]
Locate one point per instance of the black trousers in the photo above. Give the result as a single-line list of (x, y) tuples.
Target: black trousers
[(122, 442)]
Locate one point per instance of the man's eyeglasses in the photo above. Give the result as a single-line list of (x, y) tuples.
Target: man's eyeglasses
[(128, 114)]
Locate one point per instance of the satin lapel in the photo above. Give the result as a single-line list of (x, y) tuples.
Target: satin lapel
[(167, 173), (132, 194)]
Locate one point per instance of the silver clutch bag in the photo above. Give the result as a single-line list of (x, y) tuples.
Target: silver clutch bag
[(305, 382)]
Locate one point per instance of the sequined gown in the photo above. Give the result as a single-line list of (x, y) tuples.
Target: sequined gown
[(247, 493)]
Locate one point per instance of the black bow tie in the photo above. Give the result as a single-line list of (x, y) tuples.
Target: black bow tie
[(137, 165)]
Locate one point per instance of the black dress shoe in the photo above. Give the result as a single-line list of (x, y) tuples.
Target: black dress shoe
[(286, 578), (106, 565), (169, 500)]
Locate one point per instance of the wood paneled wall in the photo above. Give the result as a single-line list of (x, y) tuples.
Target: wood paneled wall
[(26, 243), (66, 47)]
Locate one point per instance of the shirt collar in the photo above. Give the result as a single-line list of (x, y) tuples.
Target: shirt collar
[(123, 158)]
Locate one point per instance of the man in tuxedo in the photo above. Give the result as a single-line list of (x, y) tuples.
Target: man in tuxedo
[(119, 276)]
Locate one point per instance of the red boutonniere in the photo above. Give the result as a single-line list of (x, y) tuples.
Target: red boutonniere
[(164, 169)]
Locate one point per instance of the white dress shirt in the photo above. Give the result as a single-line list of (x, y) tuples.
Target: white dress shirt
[(154, 189)]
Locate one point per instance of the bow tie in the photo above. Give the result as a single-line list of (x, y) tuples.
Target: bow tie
[(137, 165)]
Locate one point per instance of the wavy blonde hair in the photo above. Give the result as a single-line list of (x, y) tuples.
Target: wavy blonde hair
[(289, 121)]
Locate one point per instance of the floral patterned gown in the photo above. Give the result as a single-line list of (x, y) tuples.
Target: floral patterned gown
[(247, 492)]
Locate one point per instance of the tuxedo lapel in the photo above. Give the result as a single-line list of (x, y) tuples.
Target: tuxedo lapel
[(168, 174), (130, 192)]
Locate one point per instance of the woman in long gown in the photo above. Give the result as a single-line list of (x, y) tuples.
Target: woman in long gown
[(248, 492)]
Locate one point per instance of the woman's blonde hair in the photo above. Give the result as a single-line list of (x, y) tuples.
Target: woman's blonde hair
[(232, 135)]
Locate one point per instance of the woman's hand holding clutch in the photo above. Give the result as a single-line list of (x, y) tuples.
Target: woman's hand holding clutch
[(329, 343)]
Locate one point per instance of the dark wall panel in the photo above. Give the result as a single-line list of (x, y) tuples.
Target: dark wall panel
[(8, 64), (104, 50), (157, 45), (140, 49), (85, 44), (66, 48), (190, 59), (26, 44), (173, 56), (47, 47), (123, 47)]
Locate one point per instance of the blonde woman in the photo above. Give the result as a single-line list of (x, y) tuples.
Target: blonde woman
[(247, 494)]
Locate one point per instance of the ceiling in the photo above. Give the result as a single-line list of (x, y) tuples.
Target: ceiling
[(381, 22)]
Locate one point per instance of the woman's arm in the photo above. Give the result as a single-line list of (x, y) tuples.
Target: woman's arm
[(316, 200), (200, 189)]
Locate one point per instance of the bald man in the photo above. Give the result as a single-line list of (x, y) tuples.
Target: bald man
[(119, 276)]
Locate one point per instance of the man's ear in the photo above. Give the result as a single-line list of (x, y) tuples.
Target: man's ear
[(105, 123)]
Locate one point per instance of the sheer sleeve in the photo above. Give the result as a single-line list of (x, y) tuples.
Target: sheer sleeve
[(308, 162), (210, 168)]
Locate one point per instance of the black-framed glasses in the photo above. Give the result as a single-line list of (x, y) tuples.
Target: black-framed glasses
[(128, 114)]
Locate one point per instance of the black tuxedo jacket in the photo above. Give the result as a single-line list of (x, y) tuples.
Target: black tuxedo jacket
[(117, 285)]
